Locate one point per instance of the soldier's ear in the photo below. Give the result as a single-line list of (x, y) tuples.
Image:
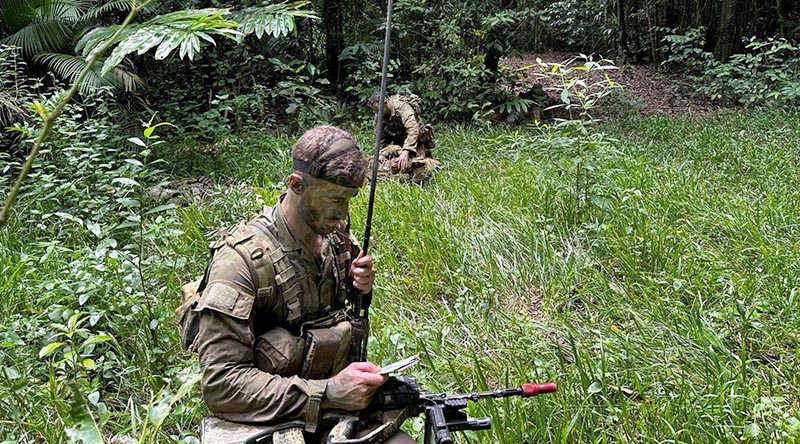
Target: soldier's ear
[(297, 183)]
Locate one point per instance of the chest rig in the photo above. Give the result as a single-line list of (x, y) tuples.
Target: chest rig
[(274, 274), (394, 125)]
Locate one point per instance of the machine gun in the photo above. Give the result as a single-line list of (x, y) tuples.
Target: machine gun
[(400, 398)]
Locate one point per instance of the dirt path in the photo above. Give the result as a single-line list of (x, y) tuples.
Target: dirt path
[(647, 89)]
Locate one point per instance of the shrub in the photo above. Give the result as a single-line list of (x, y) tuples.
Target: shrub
[(766, 74)]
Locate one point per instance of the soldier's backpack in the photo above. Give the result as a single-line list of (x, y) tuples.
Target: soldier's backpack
[(186, 317), (415, 102)]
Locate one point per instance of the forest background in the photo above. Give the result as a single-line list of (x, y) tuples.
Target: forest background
[(644, 260)]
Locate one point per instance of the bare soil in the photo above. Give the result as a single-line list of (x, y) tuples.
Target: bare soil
[(647, 89)]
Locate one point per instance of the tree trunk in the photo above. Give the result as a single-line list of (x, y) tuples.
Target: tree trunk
[(625, 50), (332, 22), (727, 31), (711, 23), (492, 58)]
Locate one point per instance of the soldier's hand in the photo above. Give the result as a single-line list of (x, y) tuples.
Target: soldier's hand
[(362, 271), (402, 162), (353, 387)]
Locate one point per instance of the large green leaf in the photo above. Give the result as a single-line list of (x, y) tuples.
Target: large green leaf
[(167, 32), (185, 30), (273, 20), (85, 429)]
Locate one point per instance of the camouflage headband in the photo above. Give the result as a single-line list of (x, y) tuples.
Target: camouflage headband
[(336, 148)]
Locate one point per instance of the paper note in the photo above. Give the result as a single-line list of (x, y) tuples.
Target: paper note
[(399, 365)]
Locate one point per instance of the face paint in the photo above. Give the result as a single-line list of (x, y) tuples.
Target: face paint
[(323, 205)]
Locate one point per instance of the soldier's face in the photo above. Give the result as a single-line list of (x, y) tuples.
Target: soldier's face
[(323, 205), (386, 110)]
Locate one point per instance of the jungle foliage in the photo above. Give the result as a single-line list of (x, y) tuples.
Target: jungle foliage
[(305, 67), (649, 268)]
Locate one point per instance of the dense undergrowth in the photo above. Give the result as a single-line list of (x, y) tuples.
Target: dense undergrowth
[(650, 269)]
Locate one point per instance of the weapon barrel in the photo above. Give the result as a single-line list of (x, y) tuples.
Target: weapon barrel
[(525, 390)]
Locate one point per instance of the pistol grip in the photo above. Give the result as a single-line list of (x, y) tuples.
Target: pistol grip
[(390, 422), (343, 430)]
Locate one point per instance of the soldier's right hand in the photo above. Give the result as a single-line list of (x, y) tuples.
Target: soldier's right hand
[(402, 162), (353, 387)]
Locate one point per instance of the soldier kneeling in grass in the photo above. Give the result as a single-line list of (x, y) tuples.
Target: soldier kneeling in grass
[(406, 142), (270, 320)]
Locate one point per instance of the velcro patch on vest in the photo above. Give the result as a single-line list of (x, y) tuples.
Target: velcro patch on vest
[(226, 299), (266, 292)]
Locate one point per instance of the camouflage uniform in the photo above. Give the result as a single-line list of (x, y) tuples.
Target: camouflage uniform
[(238, 383), (403, 130)]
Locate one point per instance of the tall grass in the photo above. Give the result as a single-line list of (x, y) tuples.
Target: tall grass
[(663, 301), (669, 315)]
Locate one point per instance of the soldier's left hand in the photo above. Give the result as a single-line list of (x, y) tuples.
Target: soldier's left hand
[(362, 271)]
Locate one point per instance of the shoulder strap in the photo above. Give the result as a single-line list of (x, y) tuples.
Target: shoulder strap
[(286, 277)]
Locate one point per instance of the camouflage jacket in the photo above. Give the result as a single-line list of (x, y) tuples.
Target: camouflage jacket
[(235, 311), (402, 125)]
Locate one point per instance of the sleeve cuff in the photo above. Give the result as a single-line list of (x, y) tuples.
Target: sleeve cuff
[(316, 391)]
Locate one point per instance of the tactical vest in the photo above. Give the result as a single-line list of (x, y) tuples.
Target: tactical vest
[(266, 260), (267, 263)]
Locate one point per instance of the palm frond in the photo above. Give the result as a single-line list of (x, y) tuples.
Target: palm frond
[(64, 66), (127, 75), (99, 10), (69, 66), (41, 36), (273, 20), (66, 10), (15, 14)]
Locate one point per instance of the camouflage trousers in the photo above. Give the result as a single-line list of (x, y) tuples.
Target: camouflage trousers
[(419, 171)]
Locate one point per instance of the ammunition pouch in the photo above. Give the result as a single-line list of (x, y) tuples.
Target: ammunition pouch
[(324, 347), (279, 352), (326, 351), (327, 343), (357, 339)]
